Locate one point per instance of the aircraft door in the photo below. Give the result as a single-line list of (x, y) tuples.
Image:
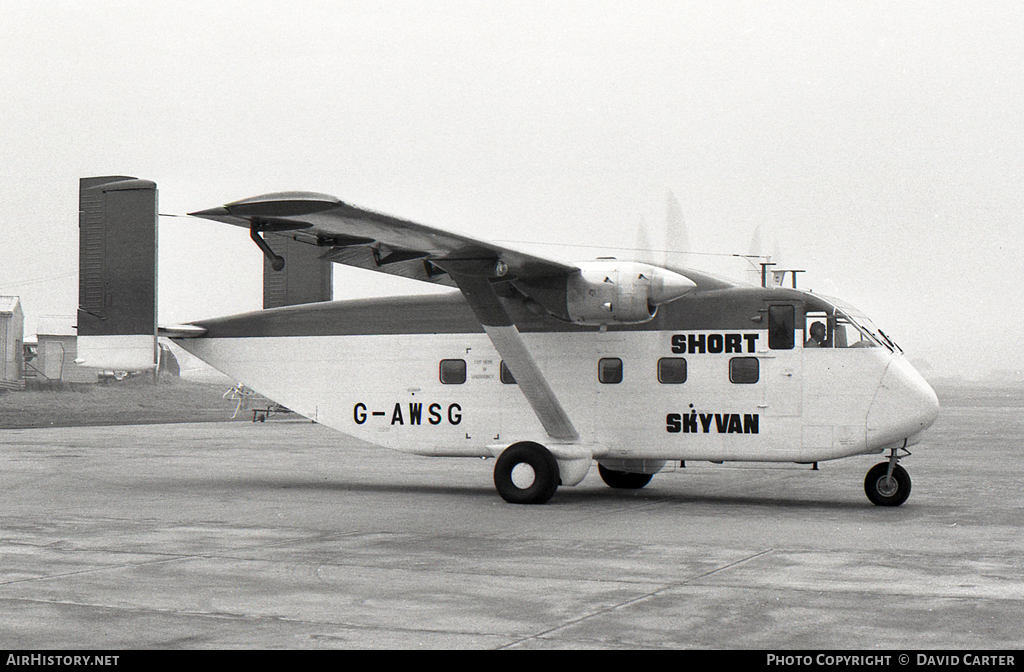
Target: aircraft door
[(484, 372), (783, 364)]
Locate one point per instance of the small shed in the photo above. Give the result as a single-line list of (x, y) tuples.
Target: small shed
[(57, 350), (12, 336)]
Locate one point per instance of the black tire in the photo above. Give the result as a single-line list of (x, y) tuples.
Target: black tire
[(882, 493), (514, 469), (623, 479)]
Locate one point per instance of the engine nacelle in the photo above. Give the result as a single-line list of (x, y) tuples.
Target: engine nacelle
[(621, 292)]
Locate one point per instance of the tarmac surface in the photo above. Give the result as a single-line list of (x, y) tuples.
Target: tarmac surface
[(286, 535)]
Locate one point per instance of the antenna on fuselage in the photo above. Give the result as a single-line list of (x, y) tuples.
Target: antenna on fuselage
[(779, 276)]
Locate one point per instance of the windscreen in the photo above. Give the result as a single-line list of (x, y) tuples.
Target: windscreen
[(843, 326)]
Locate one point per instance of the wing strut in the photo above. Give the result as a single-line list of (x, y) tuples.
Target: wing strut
[(473, 278)]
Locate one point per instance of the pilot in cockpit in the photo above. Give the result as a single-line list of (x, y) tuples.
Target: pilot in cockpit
[(817, 339)]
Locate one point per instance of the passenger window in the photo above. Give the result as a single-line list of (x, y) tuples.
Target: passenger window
[(453, 371), (671, 370), (609, 370), (781, 323), (744, 370), (506, 375)]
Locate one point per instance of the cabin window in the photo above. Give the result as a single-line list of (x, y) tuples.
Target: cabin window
[(671, 370), (506, 375), (781, 323), (453, 371), (609, 370), (744, 370)]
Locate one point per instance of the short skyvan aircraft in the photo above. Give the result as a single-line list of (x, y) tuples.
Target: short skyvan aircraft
[(543, 365)]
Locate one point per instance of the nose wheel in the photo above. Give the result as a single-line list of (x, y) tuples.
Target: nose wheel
[(887, 483)]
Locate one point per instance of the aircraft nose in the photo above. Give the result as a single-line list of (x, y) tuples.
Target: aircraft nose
[(904, 406)]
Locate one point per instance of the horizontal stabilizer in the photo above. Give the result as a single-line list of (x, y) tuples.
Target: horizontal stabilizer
[(182, 331)]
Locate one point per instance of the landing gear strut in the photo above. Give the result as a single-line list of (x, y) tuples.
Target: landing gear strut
[(887, 483)]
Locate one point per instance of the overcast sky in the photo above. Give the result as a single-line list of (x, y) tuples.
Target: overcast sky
[(878, 145)]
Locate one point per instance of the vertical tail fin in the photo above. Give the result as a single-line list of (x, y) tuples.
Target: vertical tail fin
[(306, 278), (117, 273)]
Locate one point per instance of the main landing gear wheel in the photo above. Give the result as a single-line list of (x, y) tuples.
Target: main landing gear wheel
[(623, 479), (884, 491), (526, 473)]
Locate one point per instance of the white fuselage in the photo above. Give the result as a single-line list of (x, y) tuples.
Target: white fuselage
[(806, 405)]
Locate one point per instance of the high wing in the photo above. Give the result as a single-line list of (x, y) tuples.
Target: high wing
[(371, 240), (588, 294)]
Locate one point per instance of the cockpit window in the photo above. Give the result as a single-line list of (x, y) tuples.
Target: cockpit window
[(850, 335), (836, 328)]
